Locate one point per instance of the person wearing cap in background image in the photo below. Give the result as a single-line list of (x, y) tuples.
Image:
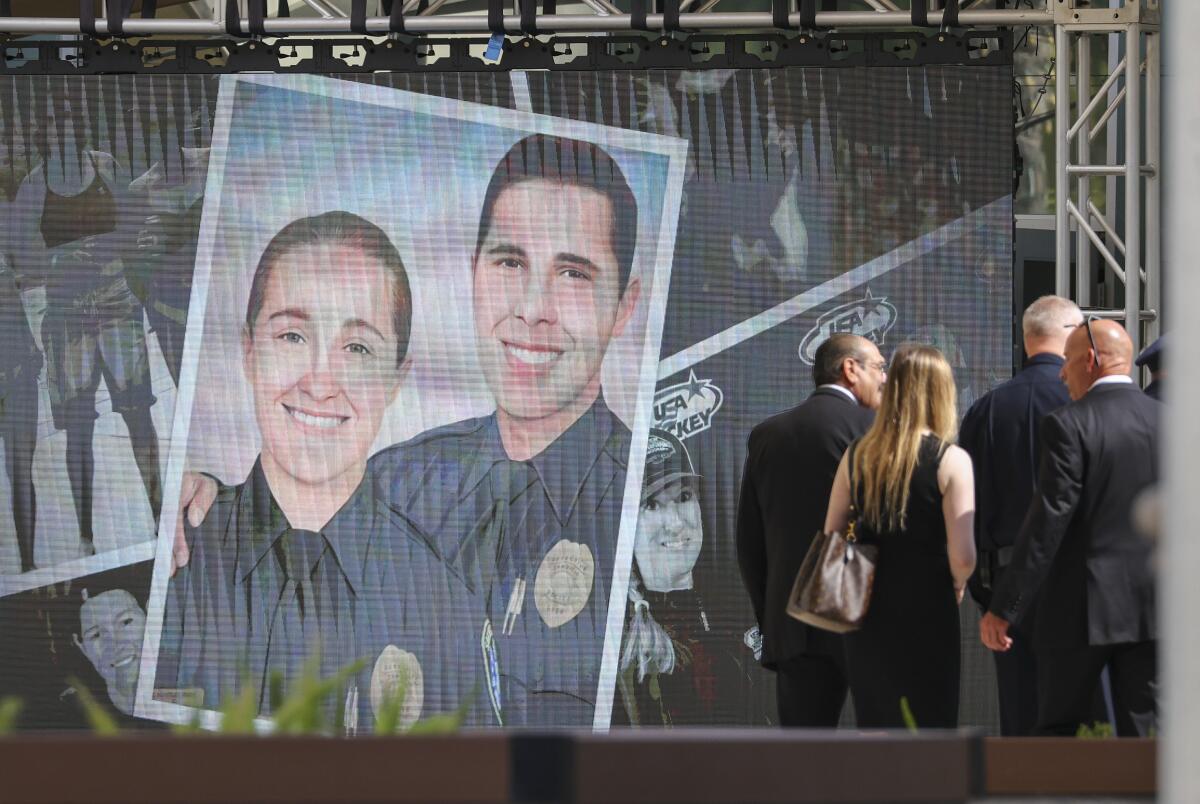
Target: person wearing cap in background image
[(791, 462), (1151, 359), (1001, 433), (304, 559), (672, 669), (526, 502)]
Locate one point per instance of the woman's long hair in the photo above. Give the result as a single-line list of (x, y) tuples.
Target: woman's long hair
[(919, 395), (648, 646)]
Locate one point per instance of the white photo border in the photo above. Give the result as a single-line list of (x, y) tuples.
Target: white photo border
[(526, 123)]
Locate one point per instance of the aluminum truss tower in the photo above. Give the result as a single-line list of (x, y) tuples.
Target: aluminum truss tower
[(1123, 228), (1128, 178)]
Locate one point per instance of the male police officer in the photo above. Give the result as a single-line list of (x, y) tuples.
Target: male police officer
[(530, 496)]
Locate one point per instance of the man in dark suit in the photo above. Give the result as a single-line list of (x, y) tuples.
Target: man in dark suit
[(1079, 546), (791, 461), (1000, 432)]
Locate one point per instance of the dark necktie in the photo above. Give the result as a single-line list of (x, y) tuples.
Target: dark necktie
[(299, 632), (302, 550)]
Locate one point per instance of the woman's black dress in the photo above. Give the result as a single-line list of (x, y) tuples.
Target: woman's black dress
[(908, 646)]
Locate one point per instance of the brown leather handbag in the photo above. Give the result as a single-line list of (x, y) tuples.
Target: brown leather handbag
[(833, 588)]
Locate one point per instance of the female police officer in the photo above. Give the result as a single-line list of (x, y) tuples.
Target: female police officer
[(304, 558)]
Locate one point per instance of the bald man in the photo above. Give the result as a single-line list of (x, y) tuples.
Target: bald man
[(1078, 548)]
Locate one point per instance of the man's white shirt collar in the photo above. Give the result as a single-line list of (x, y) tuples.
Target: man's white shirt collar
[(843, 389), (1112, 379)]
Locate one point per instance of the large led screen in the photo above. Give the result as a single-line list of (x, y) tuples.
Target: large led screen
[(437, 386)]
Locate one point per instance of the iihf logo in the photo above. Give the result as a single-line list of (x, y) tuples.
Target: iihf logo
[(869, 317), (688, 407)]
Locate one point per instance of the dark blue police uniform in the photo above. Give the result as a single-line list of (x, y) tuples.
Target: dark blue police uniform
[(539, 536), (1000, 432), (260, 597)]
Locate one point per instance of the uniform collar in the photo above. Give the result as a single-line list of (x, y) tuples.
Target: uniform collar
[(1045, 359), (562, 468), (346, 534)]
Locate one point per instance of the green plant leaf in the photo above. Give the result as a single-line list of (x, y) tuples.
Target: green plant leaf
[(906, 714), (303, 711), (1099, 730), (10, 711), (387, 719), (239, 711), (447, 723), (190, 729), (275, 690), (102, 723)]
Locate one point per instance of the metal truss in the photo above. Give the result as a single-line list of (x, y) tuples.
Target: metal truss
[(1123, 228), (156, 55), (602, 16), (1125, 231)]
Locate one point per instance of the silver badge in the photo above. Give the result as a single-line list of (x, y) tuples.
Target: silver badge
[(398, 671), (564, 582)]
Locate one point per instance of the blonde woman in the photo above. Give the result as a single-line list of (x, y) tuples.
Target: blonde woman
[(914, 492)]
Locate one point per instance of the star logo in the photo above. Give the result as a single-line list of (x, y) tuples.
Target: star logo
[(695, 387), (687, 408), (872, 317)]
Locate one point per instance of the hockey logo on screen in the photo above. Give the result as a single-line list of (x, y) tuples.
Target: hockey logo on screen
[(869, 316), (687, 408)]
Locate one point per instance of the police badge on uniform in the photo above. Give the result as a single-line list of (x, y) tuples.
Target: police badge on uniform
[(398, 672), (564, 582)]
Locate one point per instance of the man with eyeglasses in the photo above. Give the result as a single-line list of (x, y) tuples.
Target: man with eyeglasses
[(1078, 549), (790, 464), (1000, 432)]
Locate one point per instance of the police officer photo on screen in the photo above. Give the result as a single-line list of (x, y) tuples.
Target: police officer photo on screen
[(305, 560), (527, 501), (538, 292)]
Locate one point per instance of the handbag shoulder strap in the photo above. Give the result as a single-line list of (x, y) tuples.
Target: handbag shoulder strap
[(852, 524), (850, 469)]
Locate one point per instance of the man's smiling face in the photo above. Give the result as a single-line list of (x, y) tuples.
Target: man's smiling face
[(547, 297), (111, 625)]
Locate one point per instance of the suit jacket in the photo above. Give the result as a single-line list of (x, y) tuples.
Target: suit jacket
[(1000, 432), (1078, 542), (790, 465)]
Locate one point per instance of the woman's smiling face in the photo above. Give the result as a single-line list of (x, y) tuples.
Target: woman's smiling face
[(321, 360), (669, 537)]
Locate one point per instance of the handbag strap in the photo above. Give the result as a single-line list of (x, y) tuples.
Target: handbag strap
[(852, 524)]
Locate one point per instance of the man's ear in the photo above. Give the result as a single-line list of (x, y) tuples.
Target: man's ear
[(78, 643), (849, 370), (626, 306)]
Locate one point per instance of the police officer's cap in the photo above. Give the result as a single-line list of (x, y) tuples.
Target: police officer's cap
[(1151, 356)]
